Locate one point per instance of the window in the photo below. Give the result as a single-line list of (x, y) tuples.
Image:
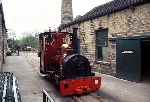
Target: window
[(101, 41)]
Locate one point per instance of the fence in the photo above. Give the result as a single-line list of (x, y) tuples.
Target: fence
[(47, 97), (9, 91)]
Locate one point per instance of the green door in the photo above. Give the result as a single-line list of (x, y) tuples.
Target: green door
[(128, 59)]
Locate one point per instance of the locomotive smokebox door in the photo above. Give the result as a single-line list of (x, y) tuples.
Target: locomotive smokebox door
[(76, 66), (128, 59)]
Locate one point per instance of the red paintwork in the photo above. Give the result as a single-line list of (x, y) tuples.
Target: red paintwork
[(80, 86), (53, 52), (52, 48)]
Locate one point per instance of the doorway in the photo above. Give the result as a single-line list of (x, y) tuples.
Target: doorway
[(133, 59), (128, 59), (145, 60)]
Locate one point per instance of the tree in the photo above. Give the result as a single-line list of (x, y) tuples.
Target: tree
[(12, 43), (29, 40)]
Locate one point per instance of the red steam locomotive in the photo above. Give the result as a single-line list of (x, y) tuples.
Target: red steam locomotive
[(68, 70)]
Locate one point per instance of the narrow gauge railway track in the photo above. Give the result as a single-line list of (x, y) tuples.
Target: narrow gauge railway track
[(99, 98), (77, 99), (87, 98)]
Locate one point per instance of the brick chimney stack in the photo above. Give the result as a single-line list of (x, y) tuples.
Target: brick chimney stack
[(66, 12)]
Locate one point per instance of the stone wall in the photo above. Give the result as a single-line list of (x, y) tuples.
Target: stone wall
[(1, 42), (3, 38), (129, 22)]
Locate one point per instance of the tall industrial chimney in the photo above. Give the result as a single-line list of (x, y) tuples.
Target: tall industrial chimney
[(66, 12)]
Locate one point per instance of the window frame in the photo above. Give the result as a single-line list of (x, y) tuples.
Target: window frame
[(99, 55)]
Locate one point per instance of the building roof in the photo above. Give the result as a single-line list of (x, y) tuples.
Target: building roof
[(2, 13), (106, 9)]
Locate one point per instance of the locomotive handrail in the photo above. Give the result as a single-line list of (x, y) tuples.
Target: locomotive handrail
[(47, 97)]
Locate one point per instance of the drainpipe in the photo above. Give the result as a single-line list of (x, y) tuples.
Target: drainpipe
[(3, 46)]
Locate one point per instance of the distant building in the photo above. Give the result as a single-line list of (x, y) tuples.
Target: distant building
[(99, 28), (3, 36)]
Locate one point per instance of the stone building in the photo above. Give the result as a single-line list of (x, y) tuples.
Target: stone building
[(3, 36), (99, 28)]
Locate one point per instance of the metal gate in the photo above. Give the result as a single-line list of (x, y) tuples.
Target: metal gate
[(128, 59)]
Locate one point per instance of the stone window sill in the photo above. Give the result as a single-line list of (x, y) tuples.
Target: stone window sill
[(103, 62)]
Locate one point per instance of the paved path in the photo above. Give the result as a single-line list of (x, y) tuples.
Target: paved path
[(30, 82), (124, 91), (25, 68)]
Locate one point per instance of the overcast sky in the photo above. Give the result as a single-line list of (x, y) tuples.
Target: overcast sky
[(37, 15)]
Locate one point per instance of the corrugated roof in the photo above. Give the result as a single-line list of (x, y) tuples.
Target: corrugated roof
[(106, 9)]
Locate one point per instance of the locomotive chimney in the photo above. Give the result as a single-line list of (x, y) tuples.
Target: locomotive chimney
[(66, 12)]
